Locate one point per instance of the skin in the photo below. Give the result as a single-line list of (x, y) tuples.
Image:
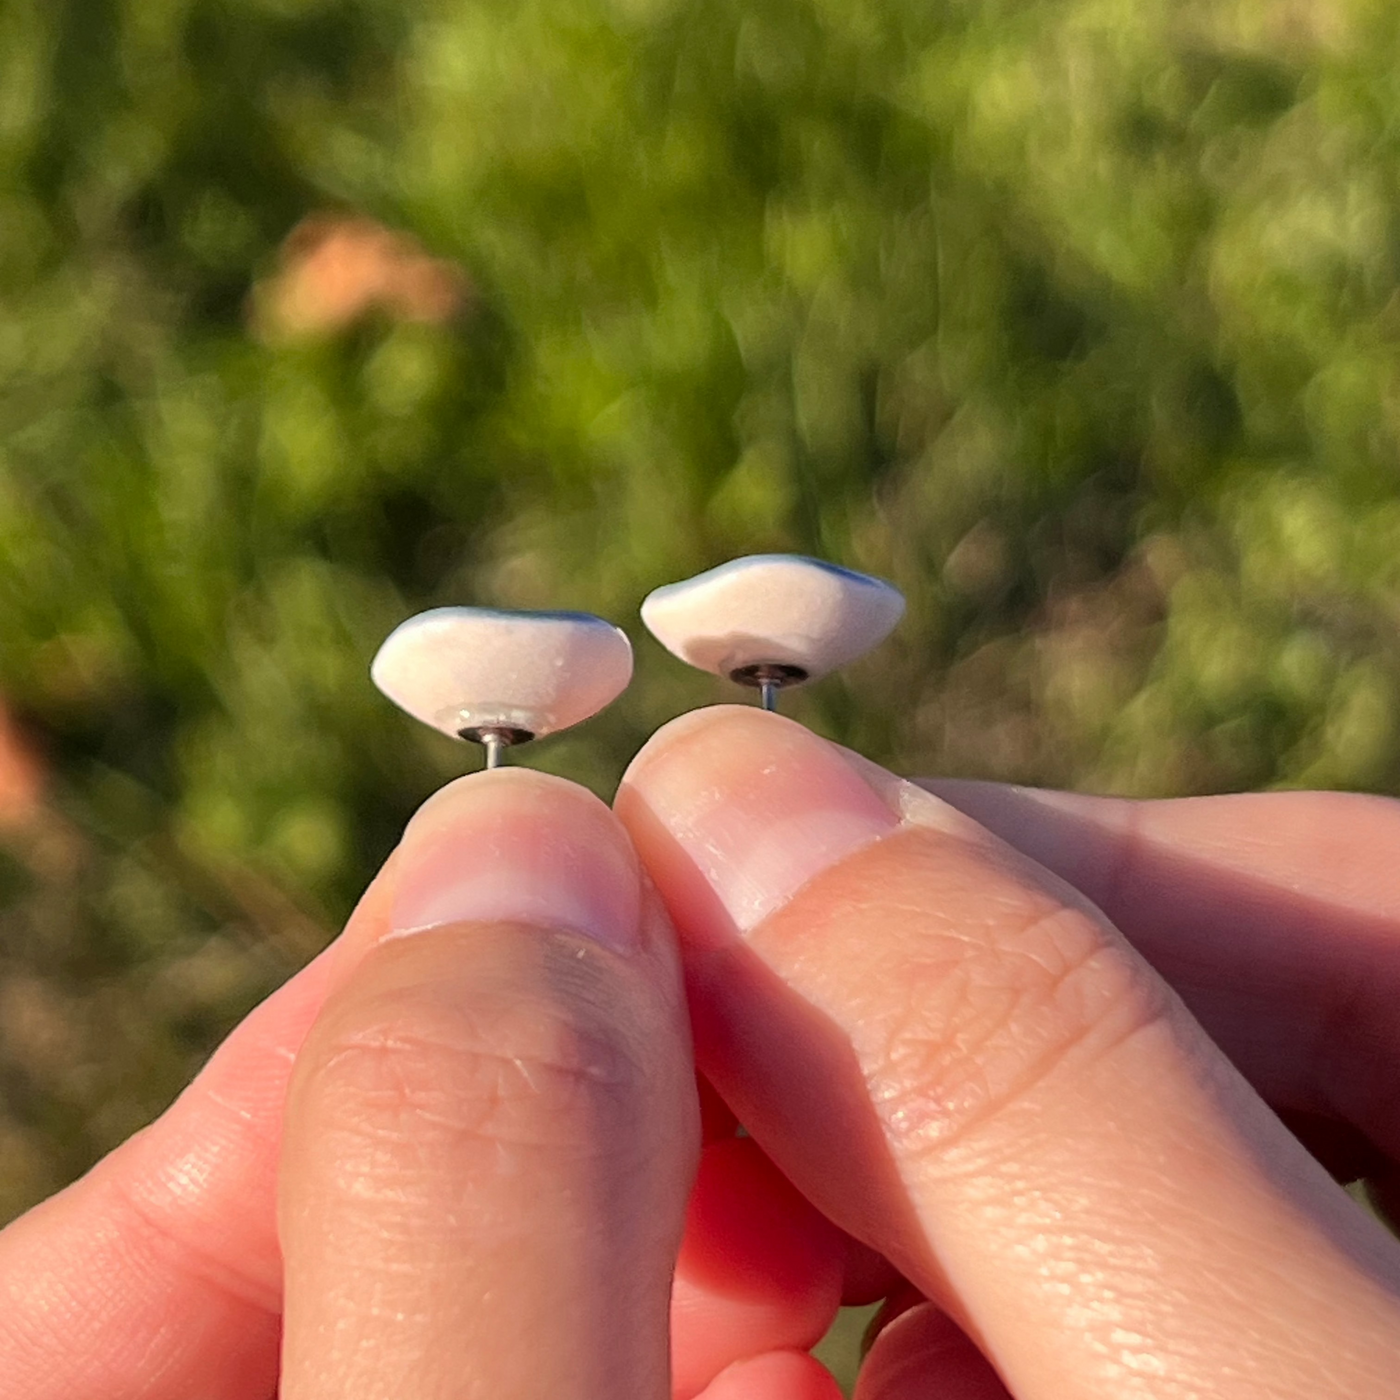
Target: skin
[(1014, 1059)]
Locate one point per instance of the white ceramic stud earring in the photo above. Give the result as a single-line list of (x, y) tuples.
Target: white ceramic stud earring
[(500, 678), (773, 620)]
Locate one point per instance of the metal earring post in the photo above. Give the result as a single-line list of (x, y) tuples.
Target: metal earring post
[(495, 749), (495, 739), (768, 678)]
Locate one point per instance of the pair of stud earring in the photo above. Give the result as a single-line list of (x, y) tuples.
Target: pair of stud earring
[(500, 678)]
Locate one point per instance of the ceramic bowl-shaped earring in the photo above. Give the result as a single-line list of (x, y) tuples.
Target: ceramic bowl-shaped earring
[(500, 678), (770, 621)]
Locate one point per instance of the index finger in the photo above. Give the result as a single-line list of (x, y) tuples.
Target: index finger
[(956, 1056)]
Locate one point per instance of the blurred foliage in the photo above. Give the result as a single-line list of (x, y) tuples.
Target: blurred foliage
[(1076, 318)]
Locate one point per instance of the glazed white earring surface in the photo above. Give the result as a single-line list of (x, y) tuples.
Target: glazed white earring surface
[(498, 677), (773, 620)]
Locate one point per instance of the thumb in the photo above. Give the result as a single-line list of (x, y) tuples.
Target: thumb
[(961, 1062), (492, 1125)]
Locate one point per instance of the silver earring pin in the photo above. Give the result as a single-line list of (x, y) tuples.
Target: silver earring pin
[(773, 621), (500, 678)]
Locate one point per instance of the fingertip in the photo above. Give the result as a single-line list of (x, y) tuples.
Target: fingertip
[(750, 1231), (751, 805), (466, 791), (776, 1375), (513, 845), (922, 1352), (759, 1267), (692, 725)]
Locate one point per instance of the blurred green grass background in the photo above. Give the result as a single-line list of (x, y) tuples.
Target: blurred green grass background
[(1076, 318)]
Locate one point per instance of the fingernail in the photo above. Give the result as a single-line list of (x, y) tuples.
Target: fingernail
[(517, 846), (759, 805)]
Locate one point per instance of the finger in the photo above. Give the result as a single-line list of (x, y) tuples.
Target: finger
[(868, 1276), (776, 1375), (492, 1127), (158, 1273), (717, 1120), (923, 1353), (956, 1058), (759, 1268), (1276, 916)]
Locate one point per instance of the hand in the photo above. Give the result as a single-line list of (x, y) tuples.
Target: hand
[(956, 1056), (490, 1129), (491, 1133)]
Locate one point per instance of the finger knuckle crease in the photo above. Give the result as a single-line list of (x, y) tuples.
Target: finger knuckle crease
[(179, 1234), (529, 1075), (996, 1016)]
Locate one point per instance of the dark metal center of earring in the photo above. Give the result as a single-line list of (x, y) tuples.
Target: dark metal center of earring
[(762, 673), (502, 734), (768, 678)]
